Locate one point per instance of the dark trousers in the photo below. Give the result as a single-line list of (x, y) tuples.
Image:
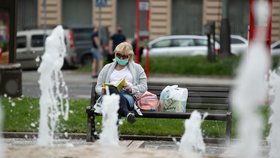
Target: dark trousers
[(124, 105)]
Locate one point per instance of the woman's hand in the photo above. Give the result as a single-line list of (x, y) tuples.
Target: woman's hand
[(127, 87), (103, 91)]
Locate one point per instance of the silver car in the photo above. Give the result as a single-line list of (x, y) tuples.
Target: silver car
[(239, 45), (275, 48), (30, 48), (179, 45)]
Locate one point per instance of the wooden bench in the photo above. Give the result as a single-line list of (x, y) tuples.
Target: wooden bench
[(203, 98)]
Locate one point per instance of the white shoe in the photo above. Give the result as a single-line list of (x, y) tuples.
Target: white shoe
[(138, 110)]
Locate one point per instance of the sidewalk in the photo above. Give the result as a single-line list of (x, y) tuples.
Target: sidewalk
[(76, 77), (72, 76), (80, 84)]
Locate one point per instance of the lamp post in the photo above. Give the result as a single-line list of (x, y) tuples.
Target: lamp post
[(225, 31), (45, 20), (137, 31), (100, 4)]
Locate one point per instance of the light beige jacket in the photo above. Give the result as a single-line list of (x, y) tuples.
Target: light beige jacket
[(138, 74)]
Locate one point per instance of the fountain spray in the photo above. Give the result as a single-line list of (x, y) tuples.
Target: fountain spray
[(273, 138), (110, 106), (192, 140), (54, 92), (250, 89)]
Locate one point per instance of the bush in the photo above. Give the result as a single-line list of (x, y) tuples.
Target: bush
[(195, 65)]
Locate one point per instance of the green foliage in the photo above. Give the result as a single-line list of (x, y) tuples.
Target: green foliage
[(275, 62), (196, 65), (192, 66), (22, 114), (151, 126)]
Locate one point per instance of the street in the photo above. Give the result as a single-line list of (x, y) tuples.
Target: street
[(79, 84)]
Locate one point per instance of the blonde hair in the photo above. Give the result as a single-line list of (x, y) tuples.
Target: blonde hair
[(125, 47)]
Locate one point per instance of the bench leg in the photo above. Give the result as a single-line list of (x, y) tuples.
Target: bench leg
[(228, 129), (90, 125)]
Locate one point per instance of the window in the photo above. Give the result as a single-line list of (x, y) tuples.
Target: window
[(2, 38), (236, 41), (37, 41), (21, 42), (162, 44), (277, 46), (83, 34), (201, 42), (182, 42)]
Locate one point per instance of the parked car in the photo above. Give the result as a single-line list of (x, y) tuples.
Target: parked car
[(238, 45), (83, 43), (179, 45), (30, 48), (275, 48)]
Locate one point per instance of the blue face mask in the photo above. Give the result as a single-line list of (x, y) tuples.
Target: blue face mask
[(121, 61)]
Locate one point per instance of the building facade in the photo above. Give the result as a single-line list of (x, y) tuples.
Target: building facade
[(166, 16)]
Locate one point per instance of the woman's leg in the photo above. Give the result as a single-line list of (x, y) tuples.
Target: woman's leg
[(130, 99), (123, 110)]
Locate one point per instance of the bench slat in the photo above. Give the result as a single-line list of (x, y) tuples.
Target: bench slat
[(203, 94), (207, 100), (208, 107), (209, 94), (182, 115), (200, 89)]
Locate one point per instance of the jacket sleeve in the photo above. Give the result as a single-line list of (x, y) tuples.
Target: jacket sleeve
[(101, 79), (141, 80)]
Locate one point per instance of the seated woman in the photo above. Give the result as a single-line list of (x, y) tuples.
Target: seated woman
[(123, 67)]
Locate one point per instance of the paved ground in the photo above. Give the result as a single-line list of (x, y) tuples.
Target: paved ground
[(79, 84), (76, 78), (130, 144), (212, 150)]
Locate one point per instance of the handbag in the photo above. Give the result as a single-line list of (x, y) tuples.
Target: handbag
[(147, 101), (97, 106), (173, 99)]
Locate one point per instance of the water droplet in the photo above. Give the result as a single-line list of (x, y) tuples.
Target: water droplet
[(13, 104), (66, 134), (32, 124)]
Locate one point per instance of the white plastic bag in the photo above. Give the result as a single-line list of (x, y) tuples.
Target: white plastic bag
[(98, 105), (173, 99)]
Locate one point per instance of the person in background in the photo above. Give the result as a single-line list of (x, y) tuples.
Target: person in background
[(141, 48), (123, 67), (116, 39), (97, 57)]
